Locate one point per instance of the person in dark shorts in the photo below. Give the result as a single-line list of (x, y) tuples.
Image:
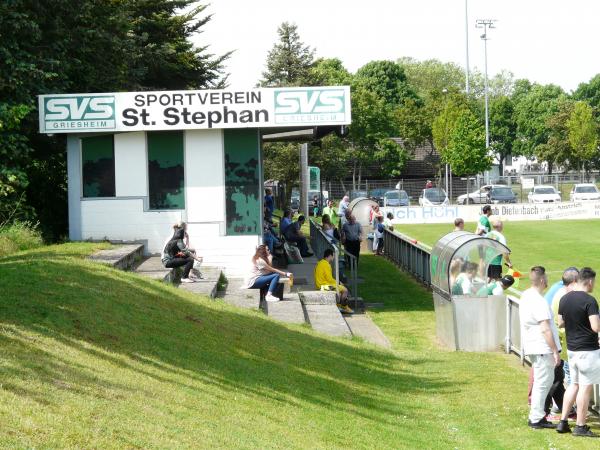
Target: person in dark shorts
[(578, 314), (352, 236)]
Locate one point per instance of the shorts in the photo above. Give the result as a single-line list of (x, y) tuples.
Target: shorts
[(584, 367), (494, 271)]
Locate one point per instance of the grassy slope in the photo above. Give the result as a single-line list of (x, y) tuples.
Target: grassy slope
[(555, 245), (96, 358)]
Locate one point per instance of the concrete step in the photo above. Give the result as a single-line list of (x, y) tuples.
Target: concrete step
[(236, 295), (361, 325), (322, 313), (123, 257), (288, 310), (153, 268), (207, 285)]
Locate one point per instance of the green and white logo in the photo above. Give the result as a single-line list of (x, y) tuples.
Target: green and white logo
[(310, 105), (79, 113)]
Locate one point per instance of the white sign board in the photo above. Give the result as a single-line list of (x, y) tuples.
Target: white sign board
[(202, 109), (506, 212), (527, 183)]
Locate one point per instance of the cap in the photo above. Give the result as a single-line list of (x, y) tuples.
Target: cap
[(507, 280)]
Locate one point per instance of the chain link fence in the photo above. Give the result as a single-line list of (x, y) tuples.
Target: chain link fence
[(455, 186)]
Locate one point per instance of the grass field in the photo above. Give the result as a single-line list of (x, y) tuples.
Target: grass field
[(96, 358), (555, 245)]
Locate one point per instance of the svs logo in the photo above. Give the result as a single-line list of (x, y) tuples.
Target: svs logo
[(80, 112), (310, 105)]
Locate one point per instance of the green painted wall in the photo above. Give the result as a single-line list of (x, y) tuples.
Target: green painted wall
[(242, 182)]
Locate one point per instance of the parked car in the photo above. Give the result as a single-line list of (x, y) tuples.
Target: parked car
[(396, 198), (357, 194), (584, 191), (543, 194), (433, 197), (479, 196), (295, 204), (377, 195), (501, 194)]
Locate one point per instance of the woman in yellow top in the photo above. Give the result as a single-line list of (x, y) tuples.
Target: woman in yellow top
[(324, 277)]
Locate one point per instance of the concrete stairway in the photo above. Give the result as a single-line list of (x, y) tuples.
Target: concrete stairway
[(207, 285), (234, 294), (122, 257), (288, 310), (153, 268), (323, 314)]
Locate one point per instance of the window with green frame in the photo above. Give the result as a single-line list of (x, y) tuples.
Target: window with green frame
[(98, 166), (165, 170)]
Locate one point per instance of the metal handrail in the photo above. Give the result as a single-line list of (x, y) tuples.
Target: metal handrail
[(410, 255), (320, 241)]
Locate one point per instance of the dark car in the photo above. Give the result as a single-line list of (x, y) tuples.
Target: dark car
[(357, 194), (396, 198), (501, 195), (378, 194)]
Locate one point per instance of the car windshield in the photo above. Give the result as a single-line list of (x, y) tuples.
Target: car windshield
[(586, 189), (392, 195), (503, 192), (547, 190), (435, 195), (403, 194)]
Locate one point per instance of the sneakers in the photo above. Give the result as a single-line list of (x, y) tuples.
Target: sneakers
[(563, 427), (583, 431), (187, 280), (540, 424), (271, 298), (345, 309)]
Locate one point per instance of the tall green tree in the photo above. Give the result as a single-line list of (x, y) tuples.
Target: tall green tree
[(557, 150), (432, 77), (583, 134), (531, 113), (503, 127), (590, 92), (445, 122), (59, 46), (289, 61), (466, 152), (387, 80)]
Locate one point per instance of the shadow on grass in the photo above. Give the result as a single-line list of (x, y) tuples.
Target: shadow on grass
[(386, 283), (159, 331)]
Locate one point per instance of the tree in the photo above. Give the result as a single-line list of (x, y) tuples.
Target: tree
[(432, 77), (387, 80), (590, 92), (531, 113), (58, 46), (466, 152), (444, 123), (289, 61), (503, 128), (557, 150), (583, 134), (329, 72)]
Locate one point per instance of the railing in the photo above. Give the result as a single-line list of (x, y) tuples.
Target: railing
[(410, 255), (319, 242)]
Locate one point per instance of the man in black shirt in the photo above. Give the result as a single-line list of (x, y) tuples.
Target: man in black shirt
[(578, 314)]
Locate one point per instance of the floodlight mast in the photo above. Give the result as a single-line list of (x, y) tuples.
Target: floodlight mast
[(486, 24)]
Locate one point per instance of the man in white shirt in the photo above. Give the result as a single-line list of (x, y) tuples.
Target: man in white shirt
[(540, 343)]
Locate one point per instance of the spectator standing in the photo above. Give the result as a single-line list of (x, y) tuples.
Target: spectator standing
[(269, 203), (262, 275), (331, 212), (578, 314), (344, 204), (483, 225), (315, 204), (352, 236), (379, 233), (428, 185), (294, 233), (459, 224), (540, 343), (324, 277), (495, 266)]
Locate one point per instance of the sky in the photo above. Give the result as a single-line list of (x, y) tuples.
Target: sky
[(547, 41)]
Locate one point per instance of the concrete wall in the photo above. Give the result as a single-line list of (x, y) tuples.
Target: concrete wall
[(126, 217)]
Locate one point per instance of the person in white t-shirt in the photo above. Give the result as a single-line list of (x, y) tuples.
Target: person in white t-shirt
[(540, 342)]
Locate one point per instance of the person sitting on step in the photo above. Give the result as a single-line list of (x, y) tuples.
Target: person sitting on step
[(174, 256), (294, 234), (184, 246), (324, 281), (263, 275)]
